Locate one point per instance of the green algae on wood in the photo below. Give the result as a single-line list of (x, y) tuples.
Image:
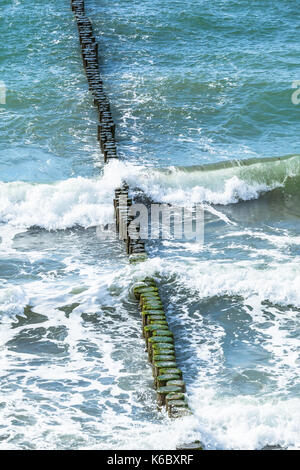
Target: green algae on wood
[(196, 445), (146, 299), (163, 357), (161, 339), (163, 379), (173, 370), (153, 305), (153, 312), (163, 391), (179, 412), (153, 300), (138, 258), (148, 290), (178, 383), (144, 289), (158, 339), (147, 313), (150, 294), (175, 396), (156, 326), (161, 351), (156, 317), (149, 330), (162, 347), (158, 347), (163, 365), (178, 403), (174, 405), (158, 322), (160, 331), (138, 286)]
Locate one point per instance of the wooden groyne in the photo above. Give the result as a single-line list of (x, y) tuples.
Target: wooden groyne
[(168, 382), (89, 51)]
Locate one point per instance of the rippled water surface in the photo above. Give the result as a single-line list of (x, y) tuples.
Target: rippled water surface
[(194, 88)]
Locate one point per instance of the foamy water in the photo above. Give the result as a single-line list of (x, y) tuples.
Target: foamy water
[(74, 374)]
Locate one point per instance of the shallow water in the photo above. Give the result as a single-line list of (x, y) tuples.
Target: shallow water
[(193, 89)]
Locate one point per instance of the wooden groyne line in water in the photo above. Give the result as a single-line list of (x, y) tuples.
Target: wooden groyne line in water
[(170, 387), (89, 51)]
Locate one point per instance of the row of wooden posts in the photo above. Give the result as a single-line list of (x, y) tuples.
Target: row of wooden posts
[(89, 51), (168, 382), (170, 387)]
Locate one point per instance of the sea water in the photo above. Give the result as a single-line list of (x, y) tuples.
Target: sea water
[(202, 96)]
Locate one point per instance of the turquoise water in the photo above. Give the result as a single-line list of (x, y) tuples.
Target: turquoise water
[(203, 81), (190, 86)]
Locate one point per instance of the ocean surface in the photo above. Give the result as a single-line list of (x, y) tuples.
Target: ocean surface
[(201, 94)]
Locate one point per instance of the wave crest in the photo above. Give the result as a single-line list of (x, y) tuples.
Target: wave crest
[(223, 183)]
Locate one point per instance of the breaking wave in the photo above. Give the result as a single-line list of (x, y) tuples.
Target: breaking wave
[(221, 183), (88, 202)]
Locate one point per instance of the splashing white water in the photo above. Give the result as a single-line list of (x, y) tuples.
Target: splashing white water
[(75, 201), (87, 202)]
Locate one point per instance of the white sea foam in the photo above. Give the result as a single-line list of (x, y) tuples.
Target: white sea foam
[(75, 201), (277, 282), (245, 422), (219, 185), (269, 416), (233, 190), (87, 202), (216, 419), (12, 301), (96, 363)]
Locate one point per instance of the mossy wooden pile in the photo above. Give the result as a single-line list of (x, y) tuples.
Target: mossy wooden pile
[(170, 387), (89, 51)]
